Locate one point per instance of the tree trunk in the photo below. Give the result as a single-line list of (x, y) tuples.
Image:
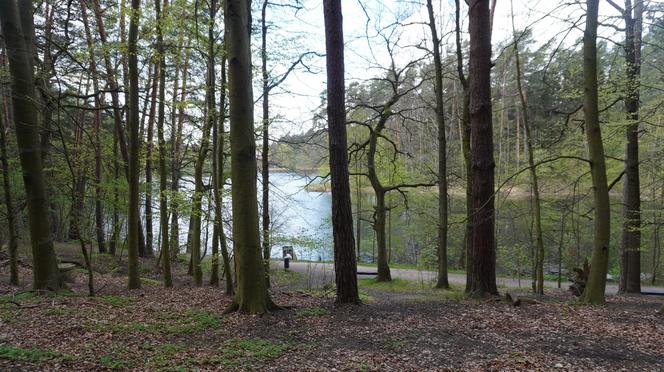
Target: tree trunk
[(265, 172), (228, 274), (18, 34), (133, 228), (594, 292), (112, 83), (9, 202), (630, 275), (442, 281), (210, 118), (99, 211), (539, 241), (149, 251), (163, 183), (345, 265), (177, 127), (465, 145), (481, 277), (252, 295)]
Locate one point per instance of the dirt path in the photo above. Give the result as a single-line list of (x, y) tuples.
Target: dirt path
[(320, 273)]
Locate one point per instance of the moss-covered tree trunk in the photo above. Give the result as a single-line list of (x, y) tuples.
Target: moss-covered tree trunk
[(133, 229), (481, 278), (252, 295), (18, 35), (594, 292), (442, 281)]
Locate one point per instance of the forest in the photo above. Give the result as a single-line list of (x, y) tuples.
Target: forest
[(289, 185)]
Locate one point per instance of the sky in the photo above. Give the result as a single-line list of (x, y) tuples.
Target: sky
[(295, 32)]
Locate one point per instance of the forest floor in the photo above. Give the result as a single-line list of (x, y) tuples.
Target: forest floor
[(403, 325)]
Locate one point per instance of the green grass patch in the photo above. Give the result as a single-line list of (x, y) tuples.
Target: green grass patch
[(31, 355), (56, 311), (244, 353), (118, 301), (110, 362), (19, 297), (311, 311), (150, 281), (283, 277), (194, 321)]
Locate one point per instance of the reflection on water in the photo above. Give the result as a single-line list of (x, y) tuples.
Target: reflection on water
[(299, 218)]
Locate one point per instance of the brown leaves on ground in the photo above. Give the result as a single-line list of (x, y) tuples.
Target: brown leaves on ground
[(183, 329)]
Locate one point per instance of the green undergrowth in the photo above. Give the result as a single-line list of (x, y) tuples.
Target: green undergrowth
[(31, 355), (192, 321), (111, 362), (244, 353)]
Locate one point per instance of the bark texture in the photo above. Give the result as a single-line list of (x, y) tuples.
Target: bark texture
[(252, 295), (18, 34), (481, 277), (594, 291), (345, 265)]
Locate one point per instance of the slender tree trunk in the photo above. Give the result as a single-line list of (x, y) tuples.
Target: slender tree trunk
[(630, 278), (9, 202), (442, 281), (133, 228), (18, 33), (481, 277), (115, 222), (345, 265), (265, 164), (210, 118), (466, 256), (177, 157), (594, 292), (539, 241), (111, 81), (163, 183), (228, 274), (99, 210), (149, 251), (252, 295)]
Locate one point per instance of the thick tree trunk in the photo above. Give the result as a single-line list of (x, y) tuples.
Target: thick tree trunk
[(345, 265), (594, 292), (17, 32), (163, 183), (252, 295), (133, 229), (481, 277), (630, 276), (442, 281)]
